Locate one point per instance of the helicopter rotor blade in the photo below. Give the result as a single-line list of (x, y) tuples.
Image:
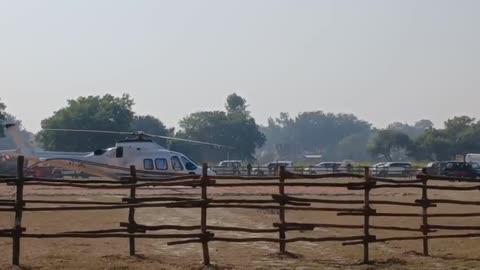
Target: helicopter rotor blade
[(89, 131), (137, 133), (190, 141)]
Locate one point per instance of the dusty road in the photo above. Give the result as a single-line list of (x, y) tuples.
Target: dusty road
[(155, 254)]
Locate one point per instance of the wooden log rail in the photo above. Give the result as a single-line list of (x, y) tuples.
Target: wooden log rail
[(205, 233)]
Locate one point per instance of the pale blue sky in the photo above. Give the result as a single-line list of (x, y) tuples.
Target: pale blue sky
[(382, 60)]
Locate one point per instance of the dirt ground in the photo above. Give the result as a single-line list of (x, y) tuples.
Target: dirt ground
[(155, 254)]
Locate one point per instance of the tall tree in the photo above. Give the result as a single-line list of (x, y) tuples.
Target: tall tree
[(236, 105), (2, 110), (413, 131), (313, 132), (433, 145), (233, 128), (388, 142), (461, 135), (93, 112)]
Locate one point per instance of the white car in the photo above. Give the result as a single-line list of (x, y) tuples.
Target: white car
[(402, 169), (376, 168), (228, 167)]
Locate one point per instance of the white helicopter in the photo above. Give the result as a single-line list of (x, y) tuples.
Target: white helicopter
[(149, 158)]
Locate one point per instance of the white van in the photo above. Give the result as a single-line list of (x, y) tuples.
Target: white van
[(472, 158)]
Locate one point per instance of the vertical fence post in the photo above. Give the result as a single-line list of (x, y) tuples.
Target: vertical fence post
[(281, 210), (17, 233), (425, 204), (366, 220), (131, 210), (203, 219)]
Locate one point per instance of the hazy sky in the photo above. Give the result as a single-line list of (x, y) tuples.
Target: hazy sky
[(382, 60)]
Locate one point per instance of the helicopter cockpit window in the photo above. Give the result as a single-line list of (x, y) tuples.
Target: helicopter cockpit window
[(161, 164), (148, 164), (176, 164), (99, 152), (189, 165), (119, 152)]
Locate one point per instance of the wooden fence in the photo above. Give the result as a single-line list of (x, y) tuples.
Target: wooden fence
[(204, 234)]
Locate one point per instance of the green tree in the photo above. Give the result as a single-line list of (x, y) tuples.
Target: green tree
[(433, 145), (312, 133), (353, 147), (413, 131), (461, 135), (234, 128), (236, 105), (389, 142), (93, 112), (7, 143), (2, 110)]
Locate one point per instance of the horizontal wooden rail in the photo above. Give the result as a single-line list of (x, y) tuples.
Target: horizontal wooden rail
[(454, 202), (157, 199), (447, 178), (453, 227), (314, 200), (287, 184), (307, 226), (120, 186), (394, 181), (112, 207), (197, 227), (379, 214), (245, 178), (72, 202), (108, 235), (272, 240), (103, 231), (409, 238), (290, 175), (452, 188)]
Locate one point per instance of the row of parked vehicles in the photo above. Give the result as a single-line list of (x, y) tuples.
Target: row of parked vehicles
[(383, 169)]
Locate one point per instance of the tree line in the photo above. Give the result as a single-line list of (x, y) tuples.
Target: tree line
[(334, 136)]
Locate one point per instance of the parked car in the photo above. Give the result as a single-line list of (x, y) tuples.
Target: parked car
[(461, 169), (472, 158), (435, 168), (272, 168), (228, 167), (402, 169), (375, 168), (329, 167)]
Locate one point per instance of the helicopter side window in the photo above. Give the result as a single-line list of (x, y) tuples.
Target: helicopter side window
[(176, 164), (161, 164), (148, 164), (119, 152)]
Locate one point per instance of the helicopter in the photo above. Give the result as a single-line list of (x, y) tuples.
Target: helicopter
[(139, 150)]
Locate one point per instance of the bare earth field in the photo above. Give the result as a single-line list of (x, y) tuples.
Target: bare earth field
[(155, 254)]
